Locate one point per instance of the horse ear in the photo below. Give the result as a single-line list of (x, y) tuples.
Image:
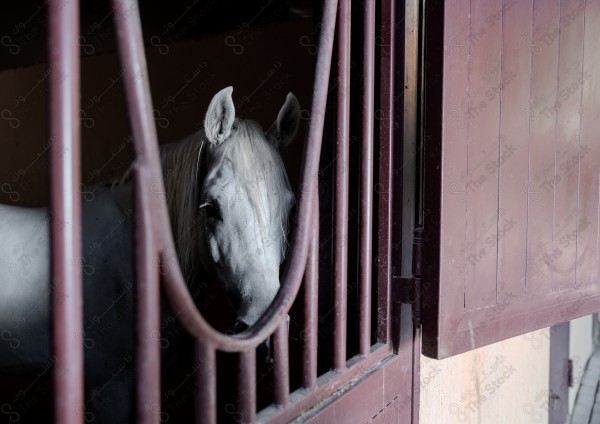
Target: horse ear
[(219, 116), (285, 126)]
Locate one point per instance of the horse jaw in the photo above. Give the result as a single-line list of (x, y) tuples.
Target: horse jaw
[(248, 270)]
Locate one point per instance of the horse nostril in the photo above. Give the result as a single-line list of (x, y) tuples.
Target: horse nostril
[(239, 326)]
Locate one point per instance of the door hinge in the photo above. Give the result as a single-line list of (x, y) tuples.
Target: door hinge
[(409, 290), (570, 373)]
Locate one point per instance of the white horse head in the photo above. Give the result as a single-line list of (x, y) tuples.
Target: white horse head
[(245, 203)]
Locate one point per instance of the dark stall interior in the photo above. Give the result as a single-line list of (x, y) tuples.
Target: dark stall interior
[(264, 49)]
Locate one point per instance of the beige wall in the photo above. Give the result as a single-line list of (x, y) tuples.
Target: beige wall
[(506, 382)]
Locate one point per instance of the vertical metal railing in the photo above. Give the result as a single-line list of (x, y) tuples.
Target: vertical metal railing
[(281, 368), (247, 386), (366, 186), (206, 384), (137, 89), (311, 293), (386, 167), (340, 274), (65, 211), (148, 308)]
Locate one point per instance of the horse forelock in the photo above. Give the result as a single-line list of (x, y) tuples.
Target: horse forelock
[(259, 171)]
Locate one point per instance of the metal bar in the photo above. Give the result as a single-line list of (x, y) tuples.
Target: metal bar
[(175, 286), (281, 371), (311, 302), (366, 187), (65, 211), (206, 384), (386, 170), (148, 305), (341, 187), (247, 386), (131, 50)]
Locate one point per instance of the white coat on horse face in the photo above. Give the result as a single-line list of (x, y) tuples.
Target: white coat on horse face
[(245, 204)]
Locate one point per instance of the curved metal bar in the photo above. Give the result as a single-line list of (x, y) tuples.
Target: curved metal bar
[(147, 171), (140, 108), (292, 277)]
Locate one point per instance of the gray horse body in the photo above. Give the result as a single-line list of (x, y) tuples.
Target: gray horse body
[(245, 265), (26, 283)]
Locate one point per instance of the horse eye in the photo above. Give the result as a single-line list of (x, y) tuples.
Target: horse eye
[(212, 210)]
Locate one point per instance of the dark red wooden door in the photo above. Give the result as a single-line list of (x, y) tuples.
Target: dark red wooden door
[(512, 166)]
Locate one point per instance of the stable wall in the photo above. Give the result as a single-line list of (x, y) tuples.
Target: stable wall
[(262, 63), (503, 383), (470, 388)]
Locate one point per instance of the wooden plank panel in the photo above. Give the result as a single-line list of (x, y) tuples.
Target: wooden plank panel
[(362, 402), (483, 149), (449, 327), (511, 233), (384, 395), (544, 79), (568, 116), (588, 252), (453, 251)]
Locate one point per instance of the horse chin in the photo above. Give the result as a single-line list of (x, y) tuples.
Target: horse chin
[(263, 350), (264, 356), (256, 298)]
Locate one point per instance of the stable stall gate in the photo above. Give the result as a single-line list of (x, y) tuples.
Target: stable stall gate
[(381, 371)]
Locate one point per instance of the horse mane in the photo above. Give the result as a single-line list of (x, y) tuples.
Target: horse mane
[(180, 163), (258, 167), (181, 168)]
